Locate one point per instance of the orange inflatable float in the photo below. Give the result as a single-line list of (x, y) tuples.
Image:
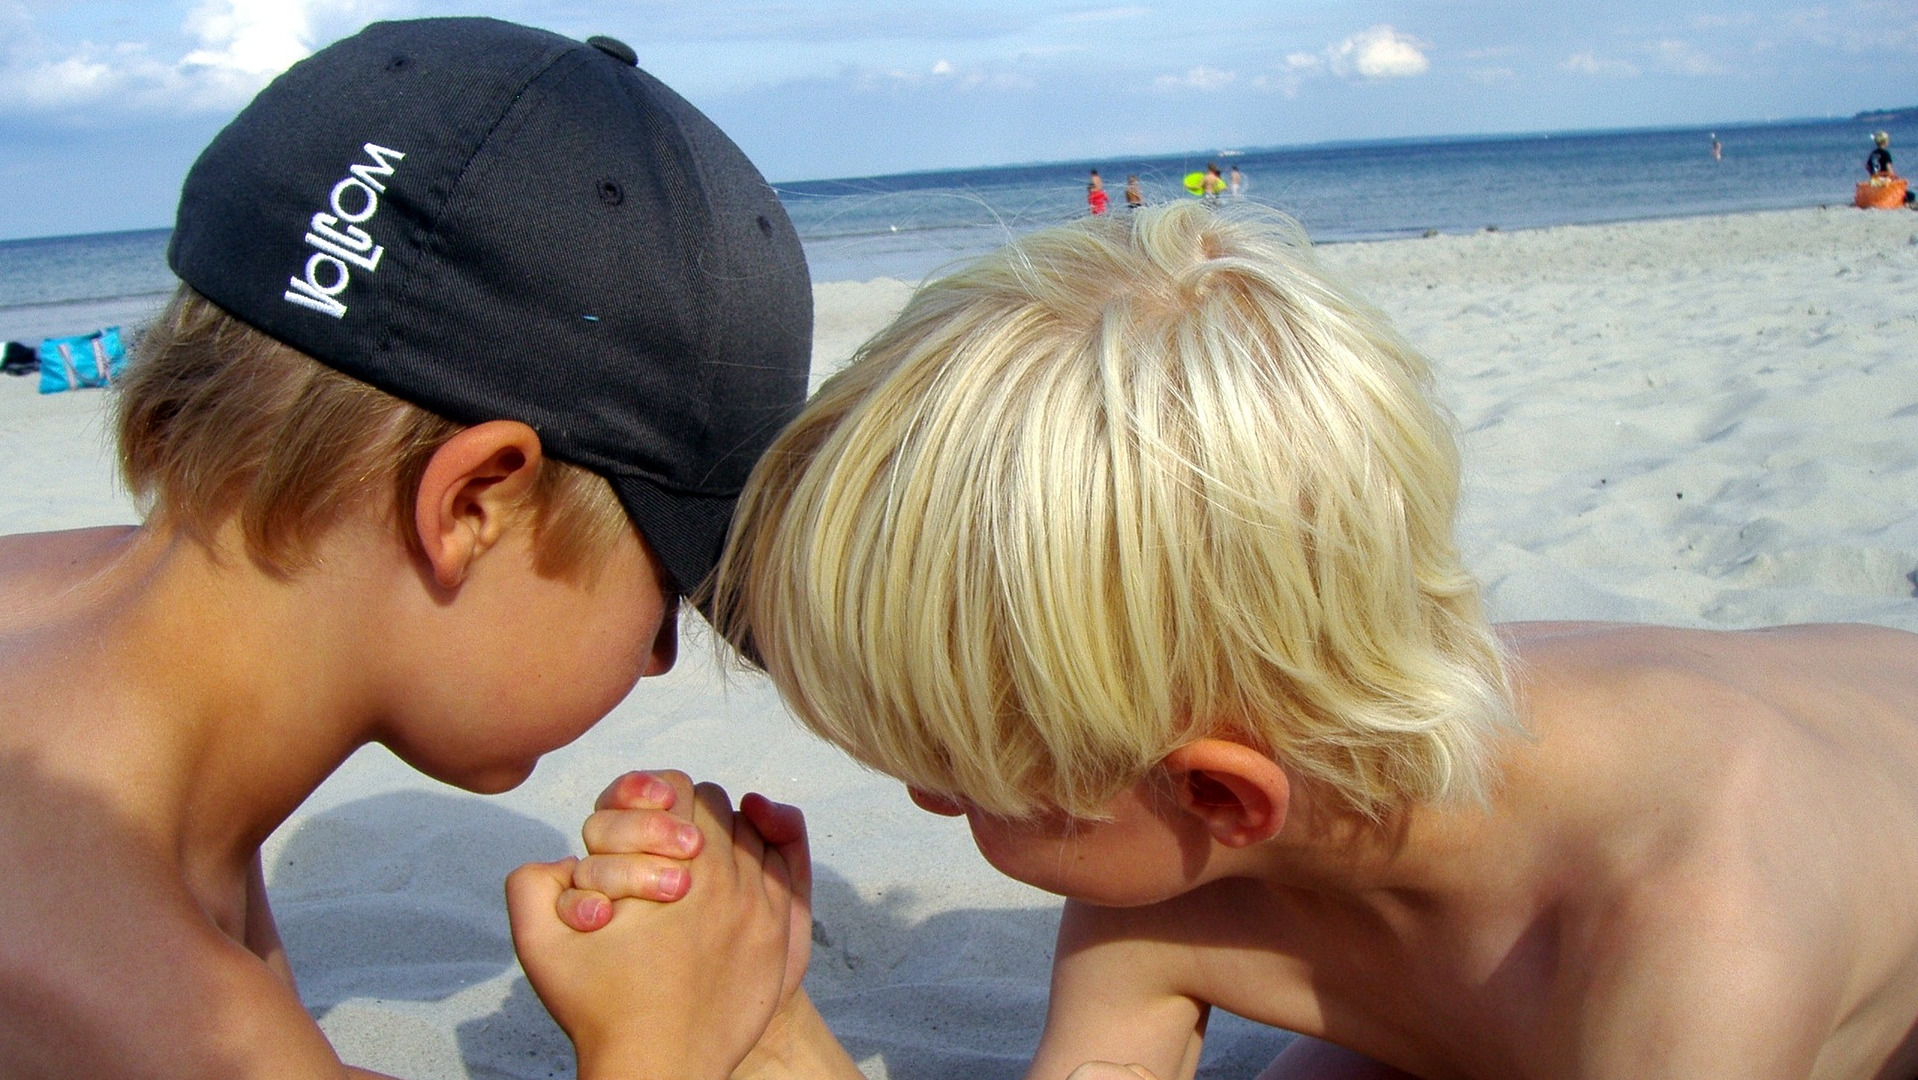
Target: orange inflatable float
[(1880, 195)]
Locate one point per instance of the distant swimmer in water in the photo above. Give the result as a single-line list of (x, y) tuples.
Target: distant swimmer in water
[(1213, 184), (1096, 196), (1718, 148), (1237, 183), (1134, 198)]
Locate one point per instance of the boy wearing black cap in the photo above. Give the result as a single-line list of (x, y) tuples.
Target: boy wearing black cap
[(480, 331)]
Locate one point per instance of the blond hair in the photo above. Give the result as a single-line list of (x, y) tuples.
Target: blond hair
[(1122, 485), (219, 422)]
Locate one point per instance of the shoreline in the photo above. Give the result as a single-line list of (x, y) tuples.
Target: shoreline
[(31, 322)]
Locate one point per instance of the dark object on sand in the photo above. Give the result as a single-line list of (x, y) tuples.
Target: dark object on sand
[(20, 359)]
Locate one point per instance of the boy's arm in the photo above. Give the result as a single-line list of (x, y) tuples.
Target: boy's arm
[(1113, 998), (164, 998), (798, 1046), (262, 934)]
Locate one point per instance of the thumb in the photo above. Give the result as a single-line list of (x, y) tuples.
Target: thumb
[(784, 828), (584, 910), (533, 892)]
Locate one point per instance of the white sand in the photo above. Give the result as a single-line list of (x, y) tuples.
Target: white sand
[(1761, 366)]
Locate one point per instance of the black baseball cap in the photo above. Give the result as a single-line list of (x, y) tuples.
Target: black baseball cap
[(496, 222)]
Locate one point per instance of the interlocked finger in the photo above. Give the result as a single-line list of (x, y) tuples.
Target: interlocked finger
[(657, 789), (647, 832), (641, 877)]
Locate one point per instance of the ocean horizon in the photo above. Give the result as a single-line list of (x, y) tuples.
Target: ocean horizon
[(906, 225)]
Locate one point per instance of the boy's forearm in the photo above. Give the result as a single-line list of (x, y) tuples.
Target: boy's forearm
[(798, 1046)]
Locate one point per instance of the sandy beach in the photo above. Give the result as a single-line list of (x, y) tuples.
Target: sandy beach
[(1708, 421)]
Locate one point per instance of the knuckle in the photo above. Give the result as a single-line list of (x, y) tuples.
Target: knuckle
[(596, 872), (596, 830), (619, 876), (654, 833)]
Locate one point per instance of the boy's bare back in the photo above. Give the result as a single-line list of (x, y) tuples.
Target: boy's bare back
[(1699, 866)]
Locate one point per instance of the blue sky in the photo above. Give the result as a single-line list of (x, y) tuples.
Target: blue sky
[(104, 104)]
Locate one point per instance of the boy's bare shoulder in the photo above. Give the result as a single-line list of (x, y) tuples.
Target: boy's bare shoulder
[(112, 961), (108, 966), (1625, 643), (1822, 678), (44, 575), (1737, 803)]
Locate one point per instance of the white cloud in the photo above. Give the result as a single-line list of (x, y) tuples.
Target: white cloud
[(1379, 53), (1199, 78), (236, 47), (250, 37), (943, 73), (1590, 63), (1674, 55)]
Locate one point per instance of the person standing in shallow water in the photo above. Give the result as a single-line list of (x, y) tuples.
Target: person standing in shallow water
[(1096, 197), (1134, 198)]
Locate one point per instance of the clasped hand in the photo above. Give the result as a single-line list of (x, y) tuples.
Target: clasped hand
[(682, 989)]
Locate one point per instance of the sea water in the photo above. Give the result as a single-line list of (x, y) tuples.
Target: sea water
[(904, 226), (909, 225)]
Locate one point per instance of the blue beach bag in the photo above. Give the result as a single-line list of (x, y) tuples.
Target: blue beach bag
[(70, 363)]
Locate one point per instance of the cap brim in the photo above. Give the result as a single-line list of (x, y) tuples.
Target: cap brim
[(686, 531)]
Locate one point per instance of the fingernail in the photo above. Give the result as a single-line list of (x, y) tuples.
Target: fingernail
[(653, 789), (687, 836), (674, 881), (596, 911)]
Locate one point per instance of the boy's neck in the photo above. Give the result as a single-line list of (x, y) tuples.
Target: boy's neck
[(1425, 859), (248, 688)]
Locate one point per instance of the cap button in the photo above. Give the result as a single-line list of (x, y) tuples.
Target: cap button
[(615, 48)]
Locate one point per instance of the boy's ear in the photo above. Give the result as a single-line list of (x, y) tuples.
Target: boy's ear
[(1241, 795), (473, 488)]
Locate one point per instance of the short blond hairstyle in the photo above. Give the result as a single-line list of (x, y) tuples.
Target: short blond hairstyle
[(1122, 485), (219, 422)]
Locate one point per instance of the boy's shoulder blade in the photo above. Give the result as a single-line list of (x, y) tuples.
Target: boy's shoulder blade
[(1736, 815)]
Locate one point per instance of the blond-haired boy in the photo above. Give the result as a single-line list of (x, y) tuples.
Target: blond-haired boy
[(479, 333), (1132, 544)]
